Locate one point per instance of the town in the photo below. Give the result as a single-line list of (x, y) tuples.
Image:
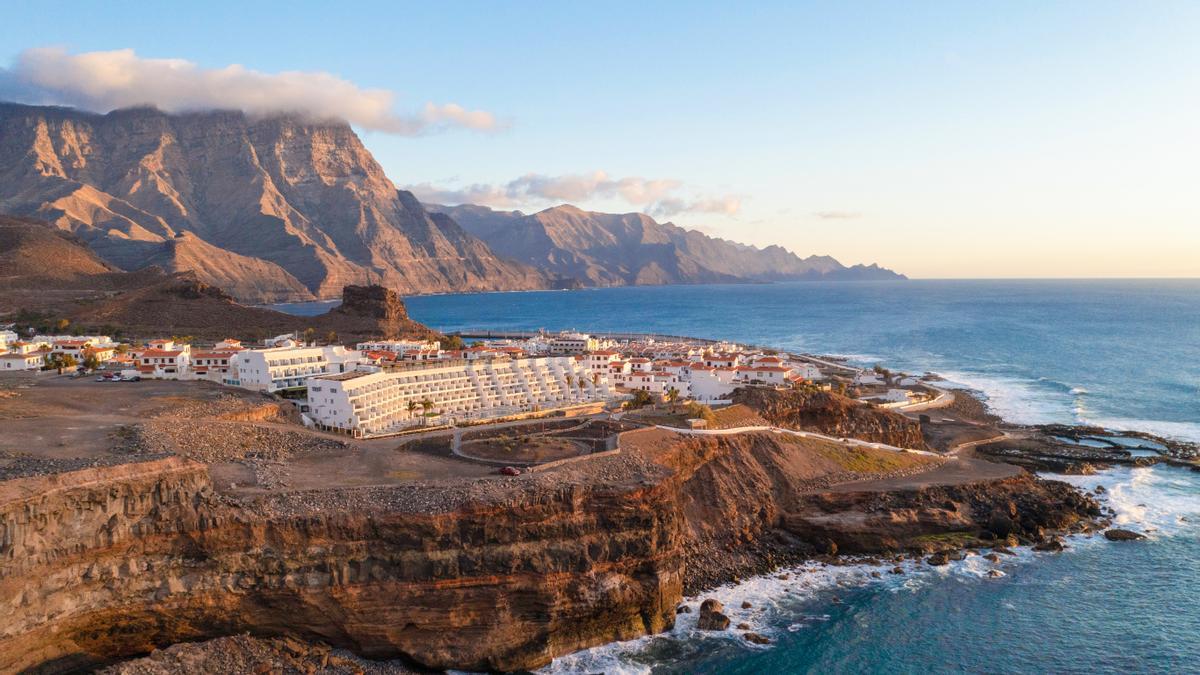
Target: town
[(388, 387)]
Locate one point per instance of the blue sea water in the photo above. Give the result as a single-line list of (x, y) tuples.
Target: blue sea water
[(1124, 354)]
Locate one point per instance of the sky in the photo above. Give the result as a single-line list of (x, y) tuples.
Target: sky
[(942, 140)]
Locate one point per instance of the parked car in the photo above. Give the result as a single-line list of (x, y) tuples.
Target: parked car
[(101, 378), (131, 378), (510, 471)]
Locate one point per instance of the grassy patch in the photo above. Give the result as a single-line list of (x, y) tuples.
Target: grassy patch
[(869, 460)]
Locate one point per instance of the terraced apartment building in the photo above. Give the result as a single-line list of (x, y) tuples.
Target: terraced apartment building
[(366, 404)]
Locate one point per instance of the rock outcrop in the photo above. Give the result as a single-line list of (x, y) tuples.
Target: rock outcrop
[(833, 414), (184, 305), (266, 208)]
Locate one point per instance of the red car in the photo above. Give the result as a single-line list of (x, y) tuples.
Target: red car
[(510, 471)]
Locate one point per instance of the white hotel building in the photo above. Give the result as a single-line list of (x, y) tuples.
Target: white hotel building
[(279, 368), (375, 403)]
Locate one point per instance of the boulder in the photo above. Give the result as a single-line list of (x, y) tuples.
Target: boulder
[(756, 638), (1050, 545), (683, 609), (712, 616), (938, 559), (897, 570), (1122, 535)]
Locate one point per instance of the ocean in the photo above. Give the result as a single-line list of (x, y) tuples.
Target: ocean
[(1123, 354)]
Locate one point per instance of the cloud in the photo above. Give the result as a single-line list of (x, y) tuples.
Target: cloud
[(659, 197), (837, 215), (103, 81)]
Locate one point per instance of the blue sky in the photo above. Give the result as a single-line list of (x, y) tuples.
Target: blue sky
[(940, 139)]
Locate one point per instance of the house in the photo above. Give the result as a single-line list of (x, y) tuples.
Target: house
[(710, 384), (166, 361), (22, 360), (771, 375), (213, 364)]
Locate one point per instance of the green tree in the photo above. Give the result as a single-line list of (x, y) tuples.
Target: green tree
[(702, 412), (91, 361), (673, 397), (412, 407), (331, 338), (59, 362), (452, 343), (427, 406), (310, 334), (62, 324), (641, 399)]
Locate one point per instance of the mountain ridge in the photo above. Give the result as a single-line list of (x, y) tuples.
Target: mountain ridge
[(606, 249), (277, 208)]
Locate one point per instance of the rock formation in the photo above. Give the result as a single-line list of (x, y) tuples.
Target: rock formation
[(833, 414), (266, 208), (607, 249), (113, 561)]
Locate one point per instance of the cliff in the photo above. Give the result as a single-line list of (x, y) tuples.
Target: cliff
[(499, 573), (607, 249), (833, 414), (268, 209)]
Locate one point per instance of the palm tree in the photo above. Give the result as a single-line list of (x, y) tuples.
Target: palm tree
[(412, 408), (427, 405), (570, 381), (672, 396), (596, 379)]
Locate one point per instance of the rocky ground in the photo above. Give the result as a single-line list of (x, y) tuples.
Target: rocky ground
[(263, 656)]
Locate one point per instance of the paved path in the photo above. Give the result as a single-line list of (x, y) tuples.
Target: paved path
[(801, 434)]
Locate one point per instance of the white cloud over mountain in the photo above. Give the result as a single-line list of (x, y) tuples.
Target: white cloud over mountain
[(106, 80)]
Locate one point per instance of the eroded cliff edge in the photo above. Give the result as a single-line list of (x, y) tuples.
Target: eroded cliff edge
[(496, 573)]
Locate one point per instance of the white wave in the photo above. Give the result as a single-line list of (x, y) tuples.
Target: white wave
[(1158, 501), (1182, 431), (1016, 399), (1153, 500)]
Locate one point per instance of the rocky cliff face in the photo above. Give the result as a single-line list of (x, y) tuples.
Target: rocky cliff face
[(269, 208), (832, 414), (606, 249), (112, 561)]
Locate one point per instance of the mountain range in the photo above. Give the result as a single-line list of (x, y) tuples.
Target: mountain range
[(608, 249), (280, 208)]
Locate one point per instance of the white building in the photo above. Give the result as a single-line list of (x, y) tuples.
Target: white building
[(573, 343), (22, 360), (278, 368), (164, 360), (399, 346), (373, 403), (711, 384), (868, 377), (772, 375)]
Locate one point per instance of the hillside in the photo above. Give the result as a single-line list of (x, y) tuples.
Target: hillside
[(31, 250), (184, 305), (269, 208), (604, 249)]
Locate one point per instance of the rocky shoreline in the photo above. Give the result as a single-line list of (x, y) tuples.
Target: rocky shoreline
[(491, 573)]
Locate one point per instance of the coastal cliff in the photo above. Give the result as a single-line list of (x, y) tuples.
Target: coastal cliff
[(504, 573)]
